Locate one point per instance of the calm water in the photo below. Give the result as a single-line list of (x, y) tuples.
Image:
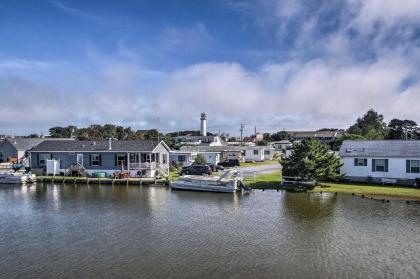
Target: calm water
[(141, 232)]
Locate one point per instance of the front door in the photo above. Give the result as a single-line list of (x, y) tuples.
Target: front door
[(80, 159)]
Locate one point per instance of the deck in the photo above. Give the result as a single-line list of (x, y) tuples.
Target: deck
[(102, 181)]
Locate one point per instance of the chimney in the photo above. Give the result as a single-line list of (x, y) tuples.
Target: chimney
[(109, 144), (203, 124)]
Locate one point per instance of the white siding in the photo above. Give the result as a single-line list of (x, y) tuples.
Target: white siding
[(396, 168), (251, 156), (211, 157)]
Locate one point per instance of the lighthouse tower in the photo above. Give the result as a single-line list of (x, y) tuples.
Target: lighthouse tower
[(203, 125)]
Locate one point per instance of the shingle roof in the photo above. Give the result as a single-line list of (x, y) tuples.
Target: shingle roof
[(380, 148), (24, 143), (102, 145)]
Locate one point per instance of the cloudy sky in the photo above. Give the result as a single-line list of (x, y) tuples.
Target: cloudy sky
[(285, 64)]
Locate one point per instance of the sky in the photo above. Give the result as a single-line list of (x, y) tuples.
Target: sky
[(278, 64)]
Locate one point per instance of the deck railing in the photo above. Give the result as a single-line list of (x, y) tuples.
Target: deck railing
[(140, 166)]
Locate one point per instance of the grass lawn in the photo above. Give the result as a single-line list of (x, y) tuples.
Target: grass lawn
[(264, 181), (260, 163), (406, 193)]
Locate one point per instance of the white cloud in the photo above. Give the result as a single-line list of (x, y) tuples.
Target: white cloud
[(331, 88)]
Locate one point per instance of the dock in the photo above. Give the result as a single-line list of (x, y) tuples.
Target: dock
[(102, 181)]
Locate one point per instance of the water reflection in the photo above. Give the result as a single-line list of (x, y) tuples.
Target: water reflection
[(152, 232)]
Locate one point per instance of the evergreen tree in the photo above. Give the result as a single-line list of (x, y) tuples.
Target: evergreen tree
[(200, 160), (311, 159), (371, 126), (402, 129)]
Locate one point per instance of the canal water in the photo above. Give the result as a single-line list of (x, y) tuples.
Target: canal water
[(56, 231)]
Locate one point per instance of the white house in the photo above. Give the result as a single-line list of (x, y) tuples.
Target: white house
[(211, 157), (258, 153), (182, 158), (386, 161)]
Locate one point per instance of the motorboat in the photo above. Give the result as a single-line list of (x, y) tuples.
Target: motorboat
[(228, 182), (17, 178)]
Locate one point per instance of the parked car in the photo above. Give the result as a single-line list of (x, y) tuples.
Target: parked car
[(230, 163), (214, 167), (196, 170)]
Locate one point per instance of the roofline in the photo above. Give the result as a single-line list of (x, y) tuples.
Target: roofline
[(89, 151), (364, 156)]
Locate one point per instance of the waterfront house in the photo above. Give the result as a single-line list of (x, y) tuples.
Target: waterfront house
[(139, 158), (384, 161), (14, 149)]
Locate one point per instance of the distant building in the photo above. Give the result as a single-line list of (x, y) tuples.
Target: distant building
[(384, 161), (14, 149), (323, 136), (203, 139)]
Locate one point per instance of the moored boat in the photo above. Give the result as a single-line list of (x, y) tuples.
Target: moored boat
[(228, 182), (17, 178)]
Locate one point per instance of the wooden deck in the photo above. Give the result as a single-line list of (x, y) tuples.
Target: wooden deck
[(103, 181)]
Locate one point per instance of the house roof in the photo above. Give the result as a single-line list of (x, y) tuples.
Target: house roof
[(212, 148), (315, 134), (24, 143), (100, 146), (380, 148)]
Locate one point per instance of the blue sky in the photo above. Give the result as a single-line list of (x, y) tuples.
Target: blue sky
[(284, 64)]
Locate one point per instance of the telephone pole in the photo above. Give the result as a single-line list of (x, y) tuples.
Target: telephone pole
[(242, 130)]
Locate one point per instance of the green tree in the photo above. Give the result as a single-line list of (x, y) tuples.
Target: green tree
[(371, 126), (282, 135), (200, 160), (311, 159), (402, 129)]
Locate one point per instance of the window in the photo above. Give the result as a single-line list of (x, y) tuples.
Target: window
[(120, 160), (42, 159), (358, 162), (413, 166), (134, 158), (255, 151), (95, 160), (181, 158), (267, 152), (380, 165), (164, 159)]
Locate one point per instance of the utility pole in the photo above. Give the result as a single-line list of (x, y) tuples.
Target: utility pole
[(242, 130)]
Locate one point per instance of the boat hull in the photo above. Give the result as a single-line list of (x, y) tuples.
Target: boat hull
[(205, 185), (202, 188), (17, 178)]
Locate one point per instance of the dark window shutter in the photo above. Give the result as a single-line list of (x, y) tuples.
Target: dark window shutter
[(90, 159), (100, 160), (407, 166), (116, 162), (386, 165), (37, 158), (365, 162), (373, 165), (355, 161)]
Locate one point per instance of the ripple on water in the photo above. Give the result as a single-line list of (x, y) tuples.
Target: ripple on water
[(130, 232)]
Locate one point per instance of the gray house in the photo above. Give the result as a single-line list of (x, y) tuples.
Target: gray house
[(141, 158), (14, 149)]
